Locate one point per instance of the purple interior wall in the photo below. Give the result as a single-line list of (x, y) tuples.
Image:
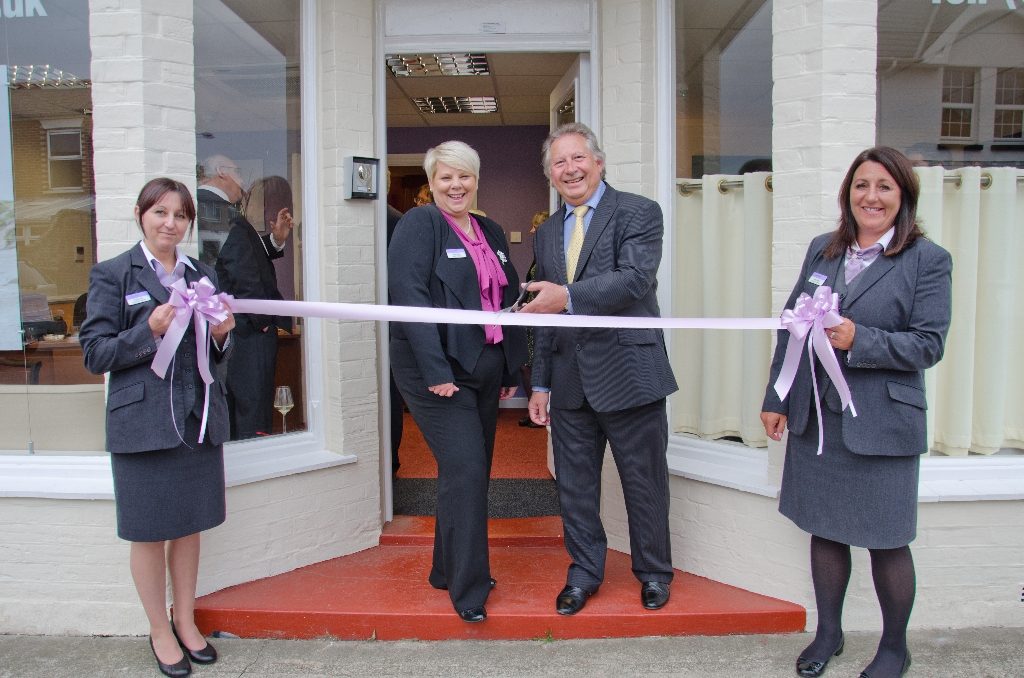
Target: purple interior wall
[(512, 184)]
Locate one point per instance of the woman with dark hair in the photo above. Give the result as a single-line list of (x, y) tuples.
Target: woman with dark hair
[(860, 487), (168, 470)]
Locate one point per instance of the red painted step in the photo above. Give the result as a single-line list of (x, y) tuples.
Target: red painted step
[(383, 593)]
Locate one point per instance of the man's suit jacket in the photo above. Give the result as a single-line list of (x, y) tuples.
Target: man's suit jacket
[(246, 270), (613, 369), (116, 338), (420, 273), (901, 307)]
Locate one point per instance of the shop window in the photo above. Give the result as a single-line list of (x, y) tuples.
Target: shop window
[(963, 60), (248, 147), (957, 104), (49, 403), (720, 267), (64, 154), (1009, 109)]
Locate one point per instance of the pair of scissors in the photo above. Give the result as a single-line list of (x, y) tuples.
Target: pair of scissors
[(518, 303)]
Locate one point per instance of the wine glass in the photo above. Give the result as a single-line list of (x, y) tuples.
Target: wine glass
[(283, 403)]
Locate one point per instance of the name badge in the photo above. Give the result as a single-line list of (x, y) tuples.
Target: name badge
[(817, 278), (456, 254), (138, 298)]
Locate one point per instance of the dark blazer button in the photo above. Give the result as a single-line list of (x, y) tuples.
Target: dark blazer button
[(578, 347)]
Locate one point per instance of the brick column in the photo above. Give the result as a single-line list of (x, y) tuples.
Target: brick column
[(143, 108)]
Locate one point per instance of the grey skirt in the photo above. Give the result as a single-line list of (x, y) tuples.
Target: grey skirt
[(168, 494), (856, 499)]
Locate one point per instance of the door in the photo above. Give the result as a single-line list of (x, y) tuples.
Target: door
[(570, 102)]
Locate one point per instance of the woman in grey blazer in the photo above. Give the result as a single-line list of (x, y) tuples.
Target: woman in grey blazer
[(452, 376), (168, 472), (861, 490)]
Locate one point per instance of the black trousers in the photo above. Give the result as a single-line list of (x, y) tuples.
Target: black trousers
[(250, 383), (639, 438), (460, 432)]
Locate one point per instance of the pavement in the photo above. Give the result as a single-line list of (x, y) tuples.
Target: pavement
[(936, 653)]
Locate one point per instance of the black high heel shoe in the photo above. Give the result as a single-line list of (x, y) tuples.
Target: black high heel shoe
[(903, 671), (207, 655), (813, 669), (178, 669)]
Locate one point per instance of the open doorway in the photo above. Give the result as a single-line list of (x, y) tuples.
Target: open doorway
[(501, 105)]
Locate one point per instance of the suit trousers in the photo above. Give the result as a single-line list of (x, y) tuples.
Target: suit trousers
[(639, 438), (250, 383), (460, 432)]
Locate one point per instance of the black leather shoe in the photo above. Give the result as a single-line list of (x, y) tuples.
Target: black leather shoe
[(207, 655), (444, 587), (903, 671), (528, 423), (811, 669), (571, 600), (654, 594), (473, 614), (176, 670)]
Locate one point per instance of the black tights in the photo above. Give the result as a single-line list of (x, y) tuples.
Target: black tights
[(893, 574)]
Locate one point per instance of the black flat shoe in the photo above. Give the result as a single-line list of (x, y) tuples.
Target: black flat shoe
[(812, 669), (444, 587), (473, 614), (654, 594), (178, 669), (207, 655), (527, 422), (571, 600), (903, 671)]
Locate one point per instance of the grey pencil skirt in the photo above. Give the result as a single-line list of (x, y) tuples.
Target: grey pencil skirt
[(168, 494), (855, 499)]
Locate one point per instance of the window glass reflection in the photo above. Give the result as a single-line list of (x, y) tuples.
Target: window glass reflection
[(248, 141), (950, 82), (723, 87), (47, 228)]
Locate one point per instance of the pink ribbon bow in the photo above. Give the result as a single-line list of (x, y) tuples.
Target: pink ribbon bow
[(200, 303), (807, 321)]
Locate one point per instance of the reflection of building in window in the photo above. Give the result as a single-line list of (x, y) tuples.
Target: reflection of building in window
[(64, 154), (1009, 108), (958, 103)]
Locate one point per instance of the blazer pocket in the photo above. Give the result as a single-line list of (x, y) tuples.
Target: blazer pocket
[(126, 396), (905, 393), (634, 337)]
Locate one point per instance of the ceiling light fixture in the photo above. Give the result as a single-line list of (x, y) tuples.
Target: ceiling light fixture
[(456, 104), (405, 65)]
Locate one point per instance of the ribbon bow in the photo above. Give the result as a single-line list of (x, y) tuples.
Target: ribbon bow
[(200, 303), (807, 321)]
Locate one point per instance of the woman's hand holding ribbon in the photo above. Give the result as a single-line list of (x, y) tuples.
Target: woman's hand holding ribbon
[(201, 304), (807, 322)]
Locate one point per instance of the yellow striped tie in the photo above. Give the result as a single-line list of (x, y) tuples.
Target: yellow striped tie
[(572, 252)]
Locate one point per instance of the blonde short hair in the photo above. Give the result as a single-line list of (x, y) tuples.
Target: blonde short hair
[(457, 154)]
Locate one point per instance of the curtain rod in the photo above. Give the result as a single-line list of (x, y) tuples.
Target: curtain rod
[(686, 187)]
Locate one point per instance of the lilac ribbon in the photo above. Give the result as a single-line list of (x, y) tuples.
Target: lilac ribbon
[(200, 303), (807, 321)]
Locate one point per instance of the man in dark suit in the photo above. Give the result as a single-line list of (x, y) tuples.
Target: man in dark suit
[(246, 270), (218, 194), (599, 256)]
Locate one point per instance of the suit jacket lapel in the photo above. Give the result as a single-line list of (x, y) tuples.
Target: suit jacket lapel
[(557, 244), (602, 217), (147, 276)]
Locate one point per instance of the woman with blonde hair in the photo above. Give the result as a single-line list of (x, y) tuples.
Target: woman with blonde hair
[(452, 376)]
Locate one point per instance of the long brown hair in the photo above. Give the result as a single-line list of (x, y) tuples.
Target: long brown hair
[(907, 228), (158, 188)]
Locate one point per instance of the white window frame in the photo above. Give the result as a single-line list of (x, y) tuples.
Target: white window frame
[(997, 107), (63, 126), (971, 107)]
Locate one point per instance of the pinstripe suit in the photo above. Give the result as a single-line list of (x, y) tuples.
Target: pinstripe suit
[(609, 385)]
